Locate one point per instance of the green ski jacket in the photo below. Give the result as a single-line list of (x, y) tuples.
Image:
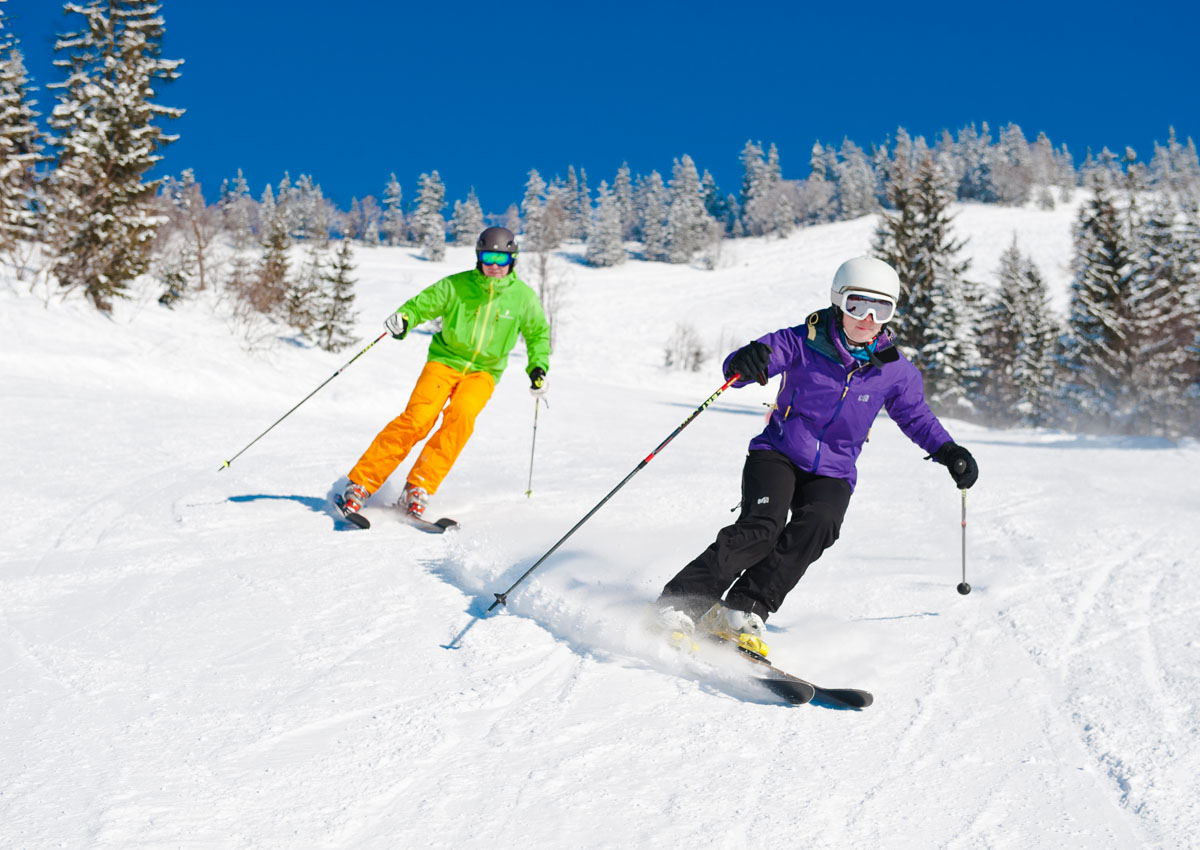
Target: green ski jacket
[(481, 317)]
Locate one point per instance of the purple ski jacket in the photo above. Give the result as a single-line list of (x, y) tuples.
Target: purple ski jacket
[(828, 400)]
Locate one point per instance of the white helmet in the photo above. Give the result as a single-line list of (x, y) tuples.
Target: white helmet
[(865, 274)]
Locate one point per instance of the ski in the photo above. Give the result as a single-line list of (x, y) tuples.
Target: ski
[(786, 685), (436, 527), (352, 517), (359, 521)]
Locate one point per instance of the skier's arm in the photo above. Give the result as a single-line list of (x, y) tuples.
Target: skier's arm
[(429, 303), (781, 349), (907, 407), (536, 332)]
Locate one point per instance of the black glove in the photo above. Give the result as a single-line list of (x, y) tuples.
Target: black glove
[(750, 361), (397, 325), (963, 468), (537, 382)]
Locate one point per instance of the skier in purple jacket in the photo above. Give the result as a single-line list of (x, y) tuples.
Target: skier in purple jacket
[(838, 369)]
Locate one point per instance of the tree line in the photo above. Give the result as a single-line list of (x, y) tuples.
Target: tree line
[(81, 199)]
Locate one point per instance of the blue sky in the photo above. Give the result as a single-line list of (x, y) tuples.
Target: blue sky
[(352, 91)]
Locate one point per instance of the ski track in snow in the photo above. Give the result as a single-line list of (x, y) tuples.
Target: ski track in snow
[(214, 659)]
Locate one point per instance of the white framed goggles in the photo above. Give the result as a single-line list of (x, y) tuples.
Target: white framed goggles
[(862, 304)]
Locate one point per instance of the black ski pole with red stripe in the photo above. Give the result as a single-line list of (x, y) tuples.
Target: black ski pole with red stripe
[(502, 598)]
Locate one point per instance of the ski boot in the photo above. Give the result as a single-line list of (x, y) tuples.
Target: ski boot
[(413, 501), (745, 628), (352, 501), (677, 626)]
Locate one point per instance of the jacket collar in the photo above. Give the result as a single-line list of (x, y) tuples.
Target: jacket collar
[(821, 335)]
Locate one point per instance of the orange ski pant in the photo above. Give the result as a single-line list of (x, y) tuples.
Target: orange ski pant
[(468, 393)]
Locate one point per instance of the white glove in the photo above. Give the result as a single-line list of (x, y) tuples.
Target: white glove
[(397, 325)]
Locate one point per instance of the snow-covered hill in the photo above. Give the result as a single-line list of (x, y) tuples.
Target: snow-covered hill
[(194, 658)]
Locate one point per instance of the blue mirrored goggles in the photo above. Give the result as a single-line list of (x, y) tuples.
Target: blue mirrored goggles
[(863, 304), (495, 258)]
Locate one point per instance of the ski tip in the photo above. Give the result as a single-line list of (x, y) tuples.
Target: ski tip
[(358, 520), (446, 523)]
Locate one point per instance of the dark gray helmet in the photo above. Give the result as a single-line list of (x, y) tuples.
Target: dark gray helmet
[(497, 239)]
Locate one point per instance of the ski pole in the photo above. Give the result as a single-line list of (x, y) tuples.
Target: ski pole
[(502, 598), (963, 587), (306, 398), (537, 402)]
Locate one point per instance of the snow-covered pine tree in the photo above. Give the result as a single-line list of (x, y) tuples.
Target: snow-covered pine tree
[(819, 200), (334, 329), (467, 221), (583, 206), (1043, 169), (1016, 340), (974, 151), (394, 227), (269, 283), (102, 211), (314, 215), (652, 204), (937, 315), (1175, 167), (544, 214), (716, 204), (604, 244), (301, 303), (239, 213), (755, 187), (782, 208), (1165, 315), (21, 146), (428, 225), (1012, 167), (855, 183), (1095, 357), (622, 189), (688, 224)]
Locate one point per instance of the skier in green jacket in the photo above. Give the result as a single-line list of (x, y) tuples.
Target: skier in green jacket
[(482, 312)]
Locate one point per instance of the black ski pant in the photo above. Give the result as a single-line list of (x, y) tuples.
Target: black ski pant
[(764, 553)]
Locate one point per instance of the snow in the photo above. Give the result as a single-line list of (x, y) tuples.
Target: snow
[(204, 658)]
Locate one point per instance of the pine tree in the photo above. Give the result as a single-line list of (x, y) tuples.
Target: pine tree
[(688, 225), (1166, 321), (467, 222), (394, 227), (1095, 358), (269, 285), (975, 154), (622, 189), (821, 188), (239, 213), (1017, 337), (1012, 170), (21, 145), (652, 205), (604, 244), (301, 305), (428, 225), (938, 312), (533, 214), (103, 212), (855, 183), (334, 329)]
